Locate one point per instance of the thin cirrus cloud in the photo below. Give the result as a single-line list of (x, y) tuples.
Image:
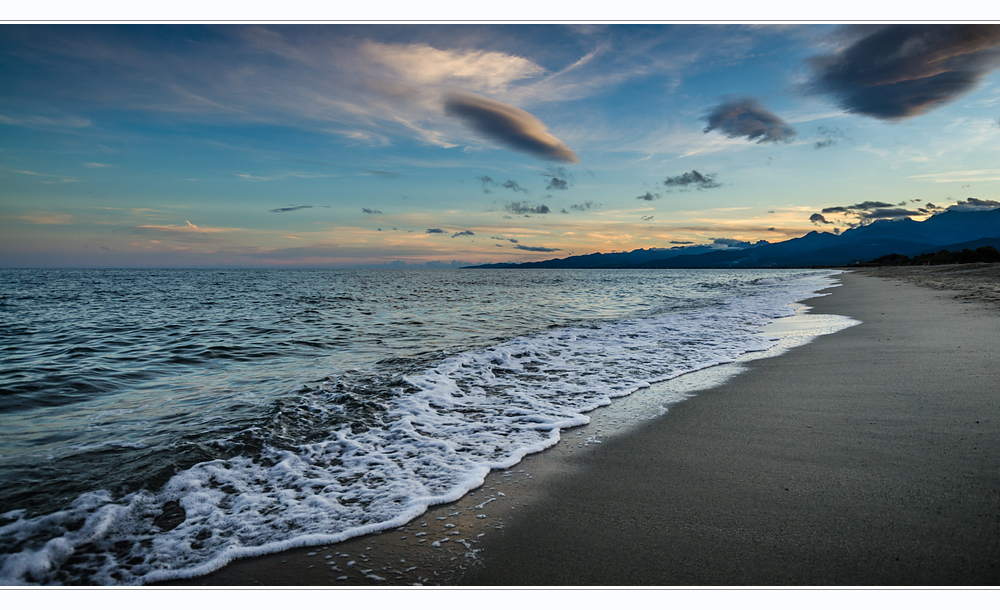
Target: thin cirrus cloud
[(746, 117), (294, 208), (901, 71), (508, 125), (422, 64)]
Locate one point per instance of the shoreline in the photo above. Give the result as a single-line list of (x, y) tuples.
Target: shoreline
[(552, 520), (408, 555)]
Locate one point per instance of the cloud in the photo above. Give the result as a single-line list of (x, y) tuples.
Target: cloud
[(461, 233), (586, 205), (818, 219), (859, 208), (730, 242), (560, 178), (370, 211), (647, 218), (510, 239), (384, 174), (649, 196), (900, 71), (425, 65), (682, 243), (535, 248), (869, 211), (508, 125), (972, 205), (291, 209), (507, 184), (523, 207), (434, 231), (92, 165), (831, 136), (42, 218), (745, 117), (693, 178)]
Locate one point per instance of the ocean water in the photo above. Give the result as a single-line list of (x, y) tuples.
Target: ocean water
[(156, 424)]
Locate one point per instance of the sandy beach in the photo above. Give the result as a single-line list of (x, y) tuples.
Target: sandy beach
[(867, 457)]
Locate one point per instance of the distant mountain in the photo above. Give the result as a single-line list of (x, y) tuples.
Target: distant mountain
[(613, 260), (951, 230), (945, 231)]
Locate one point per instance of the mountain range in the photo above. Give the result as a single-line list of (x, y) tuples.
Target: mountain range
[(951, 230)]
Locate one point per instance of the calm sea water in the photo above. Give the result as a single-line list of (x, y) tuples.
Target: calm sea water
[(156, 424)]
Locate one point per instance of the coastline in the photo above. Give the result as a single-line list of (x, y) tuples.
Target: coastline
[(734, 486)]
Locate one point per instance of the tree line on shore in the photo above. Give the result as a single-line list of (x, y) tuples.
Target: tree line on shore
[(984, 254)]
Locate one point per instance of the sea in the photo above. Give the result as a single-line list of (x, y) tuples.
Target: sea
[(157, 424)]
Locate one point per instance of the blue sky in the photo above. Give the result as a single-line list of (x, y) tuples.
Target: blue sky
[(355, 145)]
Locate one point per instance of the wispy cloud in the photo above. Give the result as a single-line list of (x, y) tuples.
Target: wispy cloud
[(253, 178), (423, 64), (463, 233), (370, 211), (960, 175), (293, 208), (535, 248), (42, 218)]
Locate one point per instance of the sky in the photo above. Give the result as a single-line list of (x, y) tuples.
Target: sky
[(231, 145)]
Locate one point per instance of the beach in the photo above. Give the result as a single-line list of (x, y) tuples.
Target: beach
[(865, 458)]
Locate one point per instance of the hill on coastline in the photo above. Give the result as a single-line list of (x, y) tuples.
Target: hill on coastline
[(950, 230)]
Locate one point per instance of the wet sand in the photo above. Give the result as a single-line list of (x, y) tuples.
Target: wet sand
[(867, 457)]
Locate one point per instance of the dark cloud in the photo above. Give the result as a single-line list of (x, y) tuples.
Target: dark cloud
[(830, 136), (535, 248), (893, 213), (559, 178), (434, 231), (647, 218), (586, 205), (510, 239), (371, 211), (508, 125), (461, 233), (771, 229), (899, 71), (524, 207), (868, 211), (693, 178), (682, 243), (731, 243), (507, 184), (291, 209), (384, 174), (649, 196), (745, 117), (858, 208), (973, 205)]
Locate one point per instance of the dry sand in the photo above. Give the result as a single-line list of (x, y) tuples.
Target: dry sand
[(867, 457)]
